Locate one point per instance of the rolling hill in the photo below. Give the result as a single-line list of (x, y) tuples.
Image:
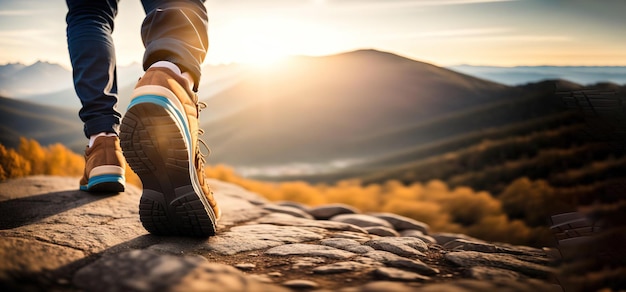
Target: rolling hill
[(317, 110), (45, 124)]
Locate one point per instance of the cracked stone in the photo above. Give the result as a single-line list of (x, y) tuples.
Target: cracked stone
[(402, 246), (347, 245), (260, 236), (361, 220), (327, 211), (312, 250), (417, 234), (288, 220), (359, 237), (381, 231)]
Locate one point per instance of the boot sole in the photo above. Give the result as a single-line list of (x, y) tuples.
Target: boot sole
[(155, 147), (107, 185)]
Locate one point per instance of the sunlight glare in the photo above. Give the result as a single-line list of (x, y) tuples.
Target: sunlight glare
[(259, 42), (261, 51)]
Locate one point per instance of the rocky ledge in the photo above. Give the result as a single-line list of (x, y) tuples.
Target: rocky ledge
[(53, 237)]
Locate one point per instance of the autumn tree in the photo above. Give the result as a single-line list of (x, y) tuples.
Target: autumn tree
[(12, 164), (33, 153)]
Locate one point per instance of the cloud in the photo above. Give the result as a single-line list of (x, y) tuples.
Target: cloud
[(462, 32), (27, 37), (412, 3), (18, 12), (496, 34)]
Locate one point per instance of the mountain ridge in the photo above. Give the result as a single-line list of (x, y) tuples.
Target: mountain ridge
[(9, 88), (519, 75)]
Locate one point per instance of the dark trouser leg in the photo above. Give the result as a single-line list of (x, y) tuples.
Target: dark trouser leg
[(89, 29), (176, 31)]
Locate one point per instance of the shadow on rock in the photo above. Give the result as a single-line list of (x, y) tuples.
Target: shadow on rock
[(23, 211)]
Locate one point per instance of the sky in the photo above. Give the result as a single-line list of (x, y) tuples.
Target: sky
[(441, 32)]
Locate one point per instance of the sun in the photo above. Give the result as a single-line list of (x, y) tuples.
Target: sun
[(262, 51), (253, 41)]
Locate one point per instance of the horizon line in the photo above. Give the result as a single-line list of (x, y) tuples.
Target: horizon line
[(341, 53)]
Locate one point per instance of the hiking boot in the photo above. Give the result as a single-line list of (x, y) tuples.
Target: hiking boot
[(104, 166), (159, 135)]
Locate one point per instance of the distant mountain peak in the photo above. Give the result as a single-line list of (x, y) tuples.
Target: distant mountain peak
[(16, 79)]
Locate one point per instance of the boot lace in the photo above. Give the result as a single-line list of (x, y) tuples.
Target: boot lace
[(202, 155)]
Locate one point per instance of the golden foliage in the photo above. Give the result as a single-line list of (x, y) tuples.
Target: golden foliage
[(459, 210), (61, 161), (12, 164), (531, 200), (55, 159), (31, 159)]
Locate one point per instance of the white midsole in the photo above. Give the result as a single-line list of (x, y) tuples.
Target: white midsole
[(106, 169)]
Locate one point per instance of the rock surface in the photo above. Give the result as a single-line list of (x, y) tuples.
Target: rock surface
[(53, 237)]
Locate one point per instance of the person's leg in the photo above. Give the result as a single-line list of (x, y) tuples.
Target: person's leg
[(159, 132), (89, 28), (176, 31)]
